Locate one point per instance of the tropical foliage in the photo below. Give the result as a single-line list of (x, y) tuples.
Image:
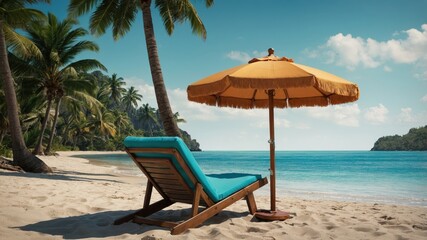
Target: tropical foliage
[(90, 119), (54, 74), (414, 140), (119, 15), (50, 101)]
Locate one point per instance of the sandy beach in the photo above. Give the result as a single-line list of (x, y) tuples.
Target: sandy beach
[(81, 200)]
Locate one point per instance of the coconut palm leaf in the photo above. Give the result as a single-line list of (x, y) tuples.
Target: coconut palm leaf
[(20, 45), (103, 16), (85, 65), (124, 17)]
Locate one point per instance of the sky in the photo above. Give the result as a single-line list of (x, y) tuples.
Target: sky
[(379, 45)]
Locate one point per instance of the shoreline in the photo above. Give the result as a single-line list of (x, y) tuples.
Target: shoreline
[(81, 200), (130, 169)]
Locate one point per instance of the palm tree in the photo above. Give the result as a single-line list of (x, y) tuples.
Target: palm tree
[(78, 128), (31, 115), (116, 88), (130, 98), (121, 14), (178, 118), (13, 15), (102, 123), (121, 120), (101, 91), (59, 46), (147, 115), (73, 90)]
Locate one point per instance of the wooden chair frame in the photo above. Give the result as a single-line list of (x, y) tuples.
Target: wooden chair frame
[(166, 179)]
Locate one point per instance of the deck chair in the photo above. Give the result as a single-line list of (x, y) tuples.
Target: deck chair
[(172, 170)]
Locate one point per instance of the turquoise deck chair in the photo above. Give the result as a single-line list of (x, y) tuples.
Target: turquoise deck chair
[(172, 170)]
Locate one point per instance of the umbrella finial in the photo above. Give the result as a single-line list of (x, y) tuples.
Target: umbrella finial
[(271, 57)]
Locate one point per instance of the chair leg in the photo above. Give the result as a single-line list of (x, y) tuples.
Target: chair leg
[(196, 200), (148, 192), (155, 207), (250, 200)]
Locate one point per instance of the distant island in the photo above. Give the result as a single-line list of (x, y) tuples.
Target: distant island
[(414, 140), (192, 144)]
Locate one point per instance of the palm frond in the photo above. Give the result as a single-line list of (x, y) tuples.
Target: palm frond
[(20, 17), (196, 23), (167, 14), (180, 11), (19, 66), (209, 3), (69, 53), (79, 7), (68, 72), (86, 65), (35, 1), (19, 44), (124, 17), (103, 16), (81, 96), (72, 85), (70, 36)]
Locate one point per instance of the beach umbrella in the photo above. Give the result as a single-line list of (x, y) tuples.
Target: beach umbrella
[(271, 82)]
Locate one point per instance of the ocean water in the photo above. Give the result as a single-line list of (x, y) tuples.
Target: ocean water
[(363, 176)]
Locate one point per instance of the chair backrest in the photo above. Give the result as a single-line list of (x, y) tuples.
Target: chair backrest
[(156, 151)]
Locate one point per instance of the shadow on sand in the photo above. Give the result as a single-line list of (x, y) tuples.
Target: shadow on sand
[(100, 225), (64, 175)]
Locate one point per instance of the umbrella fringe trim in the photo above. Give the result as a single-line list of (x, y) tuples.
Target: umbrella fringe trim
[(207, 89), (344, 89), (283, 103)]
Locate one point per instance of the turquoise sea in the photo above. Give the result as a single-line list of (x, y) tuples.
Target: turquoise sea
[(363, 176)]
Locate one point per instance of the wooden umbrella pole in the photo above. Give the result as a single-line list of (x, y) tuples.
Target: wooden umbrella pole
[(273, 214), (272, 151)]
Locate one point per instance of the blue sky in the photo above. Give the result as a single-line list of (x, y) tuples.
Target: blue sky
[(380, 45)]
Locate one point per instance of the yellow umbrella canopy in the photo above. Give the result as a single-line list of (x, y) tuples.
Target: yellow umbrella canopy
[(295, 85), (267, 83)]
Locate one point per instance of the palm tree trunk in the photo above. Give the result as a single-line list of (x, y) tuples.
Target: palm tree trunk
[(52, 132), (2, 136), (21, 156), (74, 142), (38, 150), (166, 114)]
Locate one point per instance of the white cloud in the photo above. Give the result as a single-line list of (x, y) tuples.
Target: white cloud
[(244, 57), (387, 69), (239, 56), (424, 99), (406, 115), (148, 95), (377, 114), (345, 50), (352, 52), (345, 115), (311, 53), (278, 123)]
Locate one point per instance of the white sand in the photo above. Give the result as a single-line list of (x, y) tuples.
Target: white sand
[(81, 200)]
